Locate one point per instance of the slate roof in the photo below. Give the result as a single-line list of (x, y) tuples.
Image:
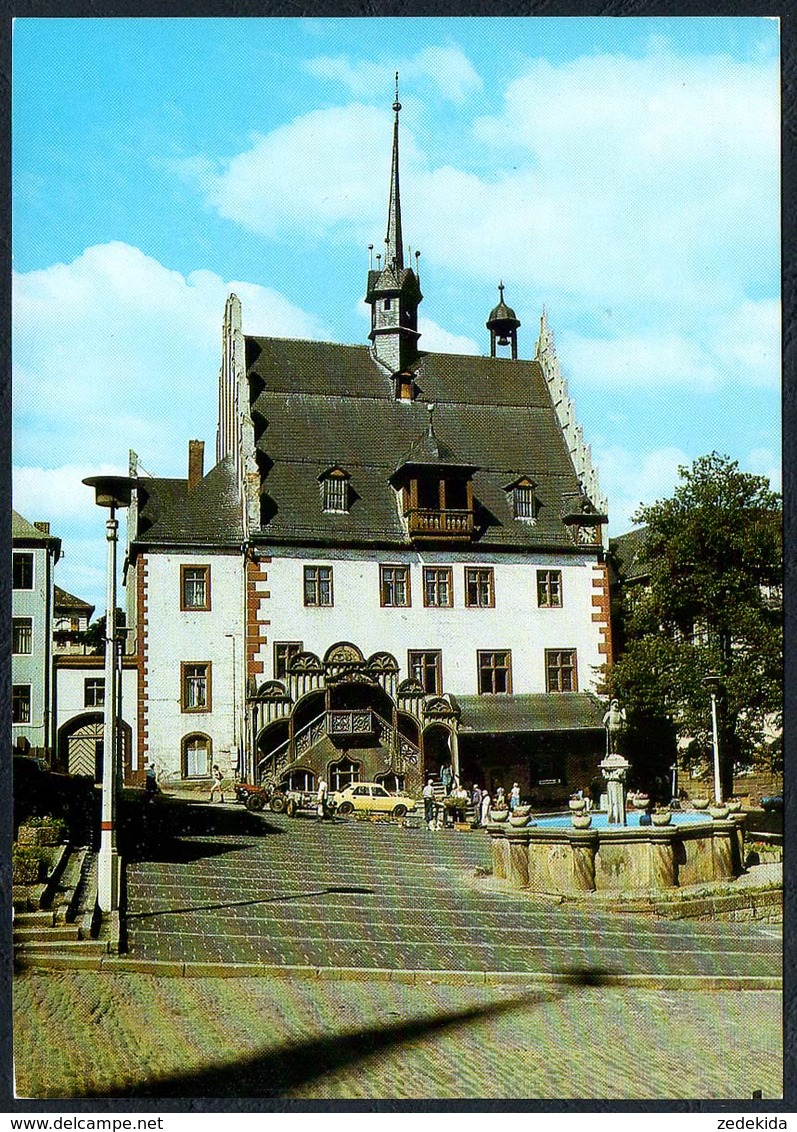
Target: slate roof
[(319, 404), (629, 555), (535, 711), (64, 600), (22, 529), (208, 515)]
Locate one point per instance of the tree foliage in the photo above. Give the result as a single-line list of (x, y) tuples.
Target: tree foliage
[(94, 636), (711, 606)]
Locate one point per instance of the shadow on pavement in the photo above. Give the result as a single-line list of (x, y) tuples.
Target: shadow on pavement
[(285, 898), (150, 830), (275, 1072)]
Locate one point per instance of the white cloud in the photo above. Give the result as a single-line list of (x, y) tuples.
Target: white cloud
[(122, 345), (766, 462), (630, 479), (447, 68), (434, 337)]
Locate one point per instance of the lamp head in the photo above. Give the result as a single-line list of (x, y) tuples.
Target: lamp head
[(111, 491)]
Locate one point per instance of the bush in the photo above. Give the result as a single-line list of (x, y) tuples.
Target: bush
[(26, 863)]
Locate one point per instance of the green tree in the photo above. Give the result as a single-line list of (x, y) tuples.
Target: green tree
[(94, 636), (711, 605)]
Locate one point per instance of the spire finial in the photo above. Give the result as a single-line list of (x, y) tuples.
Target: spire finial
[(501, 290), (395, 249)]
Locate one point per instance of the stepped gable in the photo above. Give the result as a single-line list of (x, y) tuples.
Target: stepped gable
[(316, 405), (209, 513)]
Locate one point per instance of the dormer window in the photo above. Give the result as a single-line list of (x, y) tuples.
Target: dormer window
[(523, 499), (335, 489)]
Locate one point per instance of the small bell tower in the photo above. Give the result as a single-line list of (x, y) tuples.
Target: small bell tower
[(394, 291), (503, 325)]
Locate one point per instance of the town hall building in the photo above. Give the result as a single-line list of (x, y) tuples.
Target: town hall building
[(396, 562)]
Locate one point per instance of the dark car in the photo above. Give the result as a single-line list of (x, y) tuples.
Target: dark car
[(773, 804)]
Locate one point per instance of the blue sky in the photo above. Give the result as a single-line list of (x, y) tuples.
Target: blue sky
[(623, 173)]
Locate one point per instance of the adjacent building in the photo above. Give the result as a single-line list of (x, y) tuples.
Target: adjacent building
[(34, 555), (396, 562)]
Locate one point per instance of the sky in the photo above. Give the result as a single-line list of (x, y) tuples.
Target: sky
[(621, 173)]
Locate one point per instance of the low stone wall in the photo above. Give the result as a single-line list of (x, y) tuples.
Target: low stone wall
[(565, 860)]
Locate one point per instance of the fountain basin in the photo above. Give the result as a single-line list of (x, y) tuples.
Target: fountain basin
[(554, 858)]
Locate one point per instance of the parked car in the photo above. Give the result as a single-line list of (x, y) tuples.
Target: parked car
[(772, 804), (371, 796)]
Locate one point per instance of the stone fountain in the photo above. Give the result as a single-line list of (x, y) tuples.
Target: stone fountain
[(616, 853)]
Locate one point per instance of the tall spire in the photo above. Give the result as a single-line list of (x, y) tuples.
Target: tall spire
[(394, 245)]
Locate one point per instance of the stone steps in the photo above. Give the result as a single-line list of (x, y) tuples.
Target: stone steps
[(45, 933)]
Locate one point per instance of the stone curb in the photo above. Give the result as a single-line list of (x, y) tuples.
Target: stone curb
[(177, 969)]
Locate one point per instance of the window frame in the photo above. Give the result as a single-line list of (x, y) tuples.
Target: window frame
[(494, 668), (432, 661), (184, 705), (384, 594), (18, 558), (97, 684), (185, 606), (448, 571), (546, 589), (317, 603), (184, 743), (17, 699), (335, 499), (21, 633), (471, 577), (559, 668), (282, 663)]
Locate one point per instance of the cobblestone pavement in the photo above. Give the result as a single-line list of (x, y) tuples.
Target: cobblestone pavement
[(237, 887), (135, 1035)]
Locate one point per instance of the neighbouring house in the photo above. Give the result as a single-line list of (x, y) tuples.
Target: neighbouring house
[(34, 555), (71, 619), (396, 562)]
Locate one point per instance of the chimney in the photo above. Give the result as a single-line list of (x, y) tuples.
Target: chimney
[(196, 462), (43, 527)]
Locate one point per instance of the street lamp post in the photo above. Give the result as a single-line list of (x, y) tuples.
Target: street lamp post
[(112, 492), (712, 682)]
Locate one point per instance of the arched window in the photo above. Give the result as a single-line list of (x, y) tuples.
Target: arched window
[(196, 755), (342, 774), (395, 783)]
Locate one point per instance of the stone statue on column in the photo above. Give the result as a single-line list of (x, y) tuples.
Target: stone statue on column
[(614, 767)]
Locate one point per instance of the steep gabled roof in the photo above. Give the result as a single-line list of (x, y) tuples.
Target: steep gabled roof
[(315, 404), (208, 515), (64, 600), (629, 555)]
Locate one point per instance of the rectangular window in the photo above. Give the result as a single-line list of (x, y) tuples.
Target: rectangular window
[(524, 502), (495, 672), (284, 652), (23, 570), (318, 585), (195, 587), (427, 668), (336, 493), (438, 586), (22, 636), (197, 756), (479, 587), (195, 680), (560, 670), (20, 703), (549, 589), (394, 586), (94, 691)]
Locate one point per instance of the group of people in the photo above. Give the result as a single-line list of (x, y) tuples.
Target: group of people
[(434, 809)]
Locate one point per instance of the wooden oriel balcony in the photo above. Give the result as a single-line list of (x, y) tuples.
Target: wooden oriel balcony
[(437, 523)]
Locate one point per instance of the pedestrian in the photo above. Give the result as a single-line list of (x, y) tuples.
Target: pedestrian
[(428, 803), (446, 777), (514, 796), (215, 788), (150, 781), (485, 807), (321, 798), (476, 802), (500, 799)]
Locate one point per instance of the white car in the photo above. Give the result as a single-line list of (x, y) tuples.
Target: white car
[(371, 796)]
